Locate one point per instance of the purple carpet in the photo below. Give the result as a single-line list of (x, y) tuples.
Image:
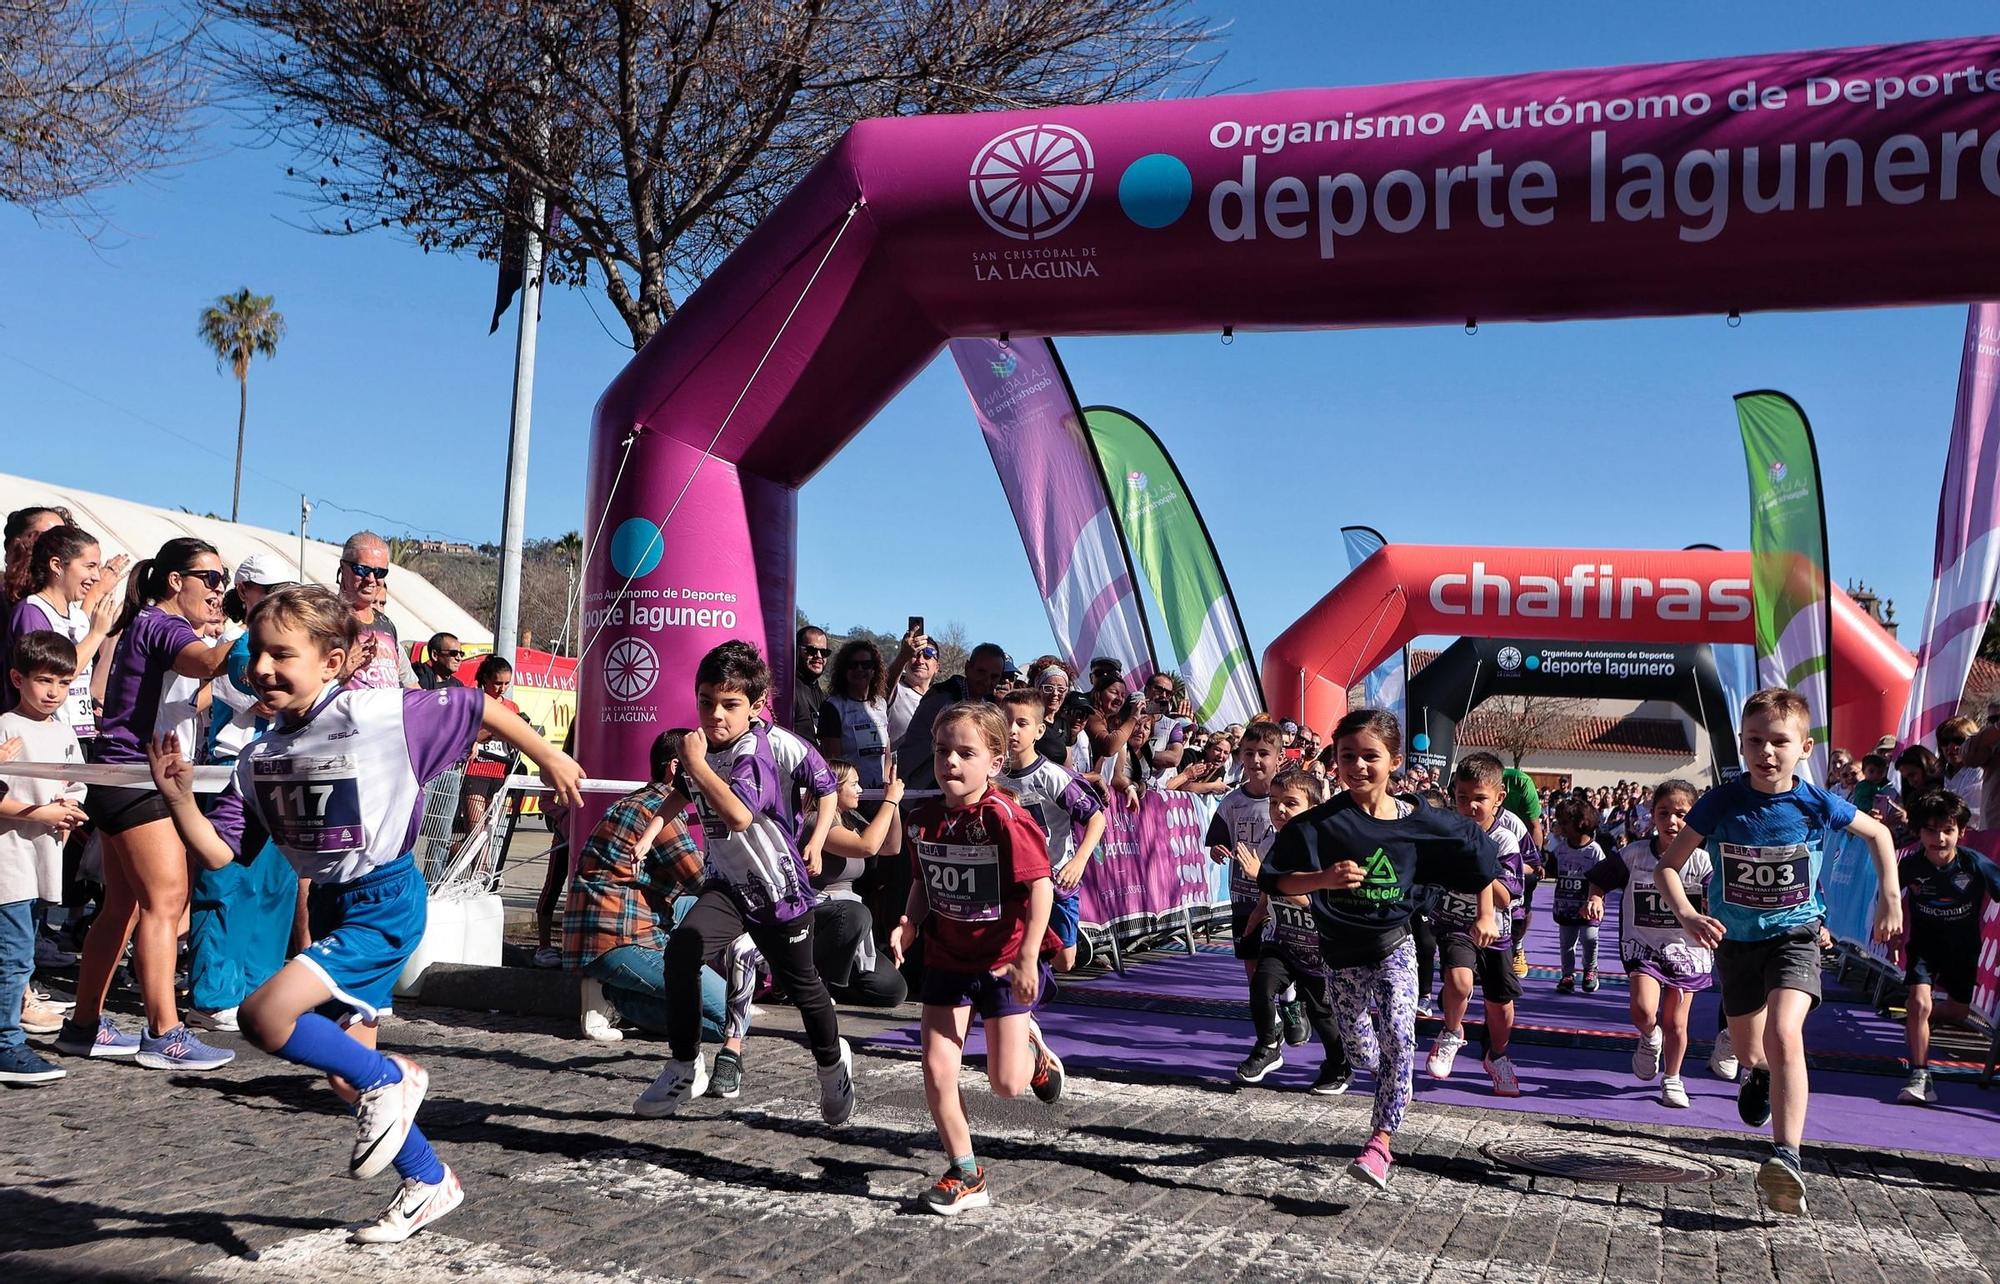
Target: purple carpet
[(1851, 1109)]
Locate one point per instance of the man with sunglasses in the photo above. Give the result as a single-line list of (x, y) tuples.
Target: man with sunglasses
[(808, 667), (910, 676), (364, 586), (444, 655)]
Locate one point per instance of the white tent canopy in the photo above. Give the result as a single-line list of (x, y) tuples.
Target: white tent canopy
[(122, 526)]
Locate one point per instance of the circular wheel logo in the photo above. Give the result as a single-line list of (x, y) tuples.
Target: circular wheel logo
[(1029, 183), (1509, 658), (630, 669)]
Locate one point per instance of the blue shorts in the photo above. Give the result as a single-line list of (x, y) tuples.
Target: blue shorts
[(990, 995), (1063, 914), (364, 932)]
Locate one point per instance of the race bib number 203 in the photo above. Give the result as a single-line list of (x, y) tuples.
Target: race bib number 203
[(1766, 878)]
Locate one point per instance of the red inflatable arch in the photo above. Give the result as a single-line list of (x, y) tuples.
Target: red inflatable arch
[(1572, 594)]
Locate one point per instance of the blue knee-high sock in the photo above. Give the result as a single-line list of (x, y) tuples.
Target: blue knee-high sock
[(417, 1159), (323, 1045)]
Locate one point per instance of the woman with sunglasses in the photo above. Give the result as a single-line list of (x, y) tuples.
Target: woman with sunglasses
[(161, 663), (854, 718), (1063, 712)]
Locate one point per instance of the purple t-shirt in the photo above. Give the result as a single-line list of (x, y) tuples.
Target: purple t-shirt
[(342, 793), (761, 866), (32, 614), (142, 697)]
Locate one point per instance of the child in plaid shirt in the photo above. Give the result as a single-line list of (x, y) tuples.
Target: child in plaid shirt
[(626, 894)]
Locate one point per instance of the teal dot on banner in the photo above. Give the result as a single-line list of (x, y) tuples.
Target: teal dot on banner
[(635, 547), (1420, 742), (1534, 661), (1155, 190)]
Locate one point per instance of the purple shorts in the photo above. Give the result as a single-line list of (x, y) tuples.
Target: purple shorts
[(1689, 981), (989, 995)]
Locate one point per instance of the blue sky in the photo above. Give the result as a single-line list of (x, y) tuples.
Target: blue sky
[(388, 395)]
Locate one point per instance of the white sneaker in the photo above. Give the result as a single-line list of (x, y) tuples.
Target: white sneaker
[(414, 1207), (679, 1083), (1505, 1082), (600, 1015), (219, 1019), (1444, 1052), (1646, 1057), (548, 956), (1917, 1091), (383, 1117), (1673, 1092), (836, 1088), (1722, 1062)]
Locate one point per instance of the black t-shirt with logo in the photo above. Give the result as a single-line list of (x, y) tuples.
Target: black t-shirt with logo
[(1361, 926), (1946, 901)]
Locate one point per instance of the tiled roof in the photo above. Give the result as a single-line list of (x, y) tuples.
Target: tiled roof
[(1663, 736)]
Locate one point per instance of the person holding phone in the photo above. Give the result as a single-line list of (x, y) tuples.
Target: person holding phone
[(909, 680)]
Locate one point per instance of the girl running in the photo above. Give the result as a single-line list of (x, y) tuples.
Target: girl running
[(338, 785), (982, 899), (157, 671), (1665, 967), (1358, 858)]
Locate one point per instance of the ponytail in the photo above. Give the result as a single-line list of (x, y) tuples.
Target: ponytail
[(149, 577)]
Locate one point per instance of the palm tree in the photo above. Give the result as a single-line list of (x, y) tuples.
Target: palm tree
[(238, 327), (570, 550)]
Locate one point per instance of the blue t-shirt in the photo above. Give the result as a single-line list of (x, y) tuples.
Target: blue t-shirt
[(1767, 850)]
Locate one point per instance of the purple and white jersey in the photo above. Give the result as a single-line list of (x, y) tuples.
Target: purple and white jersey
[(801, 764), (1242, 818), (1457, 912), (1649, 936), (342, 793), (1525, 855), (34, 614), (1060, 802), (1570, 867), (761, 866), (144, 697)]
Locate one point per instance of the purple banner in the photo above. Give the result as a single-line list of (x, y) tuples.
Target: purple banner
[(1966, 571), (1035, 433), (1150, 867)]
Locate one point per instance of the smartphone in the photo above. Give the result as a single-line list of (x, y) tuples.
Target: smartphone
[(916, 626)]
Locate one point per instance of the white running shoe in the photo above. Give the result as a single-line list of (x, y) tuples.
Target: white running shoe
[(415, 1206), (1917, 1091), (600, 1015), (1673, 1092), (383, 1116), (1722, 1062), (1505, 1082), (1646, 1057), (836, 1088), (679, 1083), (1444, 1052), (218, 1019)]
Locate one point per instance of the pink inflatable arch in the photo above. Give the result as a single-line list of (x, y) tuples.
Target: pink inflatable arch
[(1843, 178), (1571, 594)]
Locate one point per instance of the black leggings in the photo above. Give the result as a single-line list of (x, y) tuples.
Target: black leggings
[(712, 922), (1272, 976), (839, 927), (1427, 952)]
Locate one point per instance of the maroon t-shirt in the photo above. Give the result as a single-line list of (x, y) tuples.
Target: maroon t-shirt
[(977, 864)]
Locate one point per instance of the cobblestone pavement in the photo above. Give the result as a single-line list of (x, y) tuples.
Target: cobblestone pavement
[(120, 1173)]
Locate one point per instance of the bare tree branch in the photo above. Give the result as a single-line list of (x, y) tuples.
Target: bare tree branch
[(92, 94), (661, 130), (1521, 724)]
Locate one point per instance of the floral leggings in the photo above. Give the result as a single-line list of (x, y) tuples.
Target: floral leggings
[(1387, 1039)]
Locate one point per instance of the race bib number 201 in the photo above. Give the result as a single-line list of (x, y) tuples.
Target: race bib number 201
[(311, 802), (1766, 878), (962, 880)]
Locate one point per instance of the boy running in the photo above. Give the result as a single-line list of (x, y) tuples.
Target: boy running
[(1477, 791), (1064, 806), (1240, 836), (1948, 887), (1768, 828)]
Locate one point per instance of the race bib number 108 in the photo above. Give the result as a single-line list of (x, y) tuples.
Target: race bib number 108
[(1766, 878)]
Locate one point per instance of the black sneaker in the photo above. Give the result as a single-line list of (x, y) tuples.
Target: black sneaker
[(1048, 1078), (1567, 985), (1334, 1078), (1753, 1099), (1263, 1059), (1293, 1015), (954, 1193), (1590, 982), (725, 1080)]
